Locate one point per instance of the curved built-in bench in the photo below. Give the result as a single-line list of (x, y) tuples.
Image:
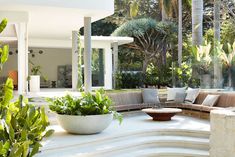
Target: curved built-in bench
[(133, 101), (226, 100), (129, 101)]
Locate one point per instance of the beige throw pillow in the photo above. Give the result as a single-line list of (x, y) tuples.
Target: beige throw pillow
[(210, 100), (192, 94)]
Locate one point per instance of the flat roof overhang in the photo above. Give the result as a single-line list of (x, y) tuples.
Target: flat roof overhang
[(54, 19), (97, 42)]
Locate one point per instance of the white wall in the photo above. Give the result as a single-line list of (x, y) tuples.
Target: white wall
[(49, 61)]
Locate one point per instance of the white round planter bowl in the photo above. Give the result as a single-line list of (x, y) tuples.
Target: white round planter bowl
[(90, 124)]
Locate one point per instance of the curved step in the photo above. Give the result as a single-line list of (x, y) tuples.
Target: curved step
[(131, 135), (140, 140), (165, 152), (125, 147)]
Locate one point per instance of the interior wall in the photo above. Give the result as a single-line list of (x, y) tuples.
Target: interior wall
[(49, 60)]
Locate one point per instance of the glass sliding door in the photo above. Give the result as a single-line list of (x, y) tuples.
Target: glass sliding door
[(97, 67)]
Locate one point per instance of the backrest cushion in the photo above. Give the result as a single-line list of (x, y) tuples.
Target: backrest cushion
[(180, 97), (150, 96), (210, 100), (192, 94), (201, 97), (126, 98), (171, 92), (227, 100)]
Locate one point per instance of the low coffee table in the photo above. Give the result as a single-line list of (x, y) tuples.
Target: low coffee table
[(162, 114)]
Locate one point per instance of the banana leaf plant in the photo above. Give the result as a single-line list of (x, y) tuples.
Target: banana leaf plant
[(228, 59), (22, 125), (202, 58)]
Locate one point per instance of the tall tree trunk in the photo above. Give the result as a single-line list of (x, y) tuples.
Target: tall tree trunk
[(180, 40), (145, 65), (164, 14), (197, 22), (230, 77), (217, 67), (163, 11)]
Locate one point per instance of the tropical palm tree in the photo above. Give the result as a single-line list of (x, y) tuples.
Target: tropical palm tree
[(217, 67), (180, 33), (197, 19), (168, 9), (217, 20)]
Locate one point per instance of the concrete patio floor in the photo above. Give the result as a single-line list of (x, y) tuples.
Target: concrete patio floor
[(64, 144)]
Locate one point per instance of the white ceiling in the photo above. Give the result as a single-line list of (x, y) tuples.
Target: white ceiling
[(55, 19)]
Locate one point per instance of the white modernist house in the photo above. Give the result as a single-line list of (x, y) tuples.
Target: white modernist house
[(53, 23)]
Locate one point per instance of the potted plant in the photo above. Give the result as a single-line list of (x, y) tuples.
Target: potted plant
[(34, 79), (90, 114), (202, 62), (227, 59)]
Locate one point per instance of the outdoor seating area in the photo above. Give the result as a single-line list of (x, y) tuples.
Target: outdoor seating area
[(128, 101), (117, 78)]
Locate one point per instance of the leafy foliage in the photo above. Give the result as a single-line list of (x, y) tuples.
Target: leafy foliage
[(227, 32), (129, 79), (184, 77), (36, 70), (22, 126), (89, 104), (3, 25), (154, 39), (97, 28), (202, 58), (158, 76), (228, 57), (3, 48)]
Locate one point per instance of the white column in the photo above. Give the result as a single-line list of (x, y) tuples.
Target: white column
[(108, 67), (87, 54), (22, 58), (115, 62), (74, 60)]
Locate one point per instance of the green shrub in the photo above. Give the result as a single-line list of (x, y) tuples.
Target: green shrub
[(158, 76), (89, 104), (130, 80), (22, 126)]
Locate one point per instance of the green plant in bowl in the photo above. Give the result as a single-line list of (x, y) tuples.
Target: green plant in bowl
[(89, 104), (89, 114)]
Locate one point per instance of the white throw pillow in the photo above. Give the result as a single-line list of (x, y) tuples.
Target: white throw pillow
[(171, 92), (210, 100), (192, 94)]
